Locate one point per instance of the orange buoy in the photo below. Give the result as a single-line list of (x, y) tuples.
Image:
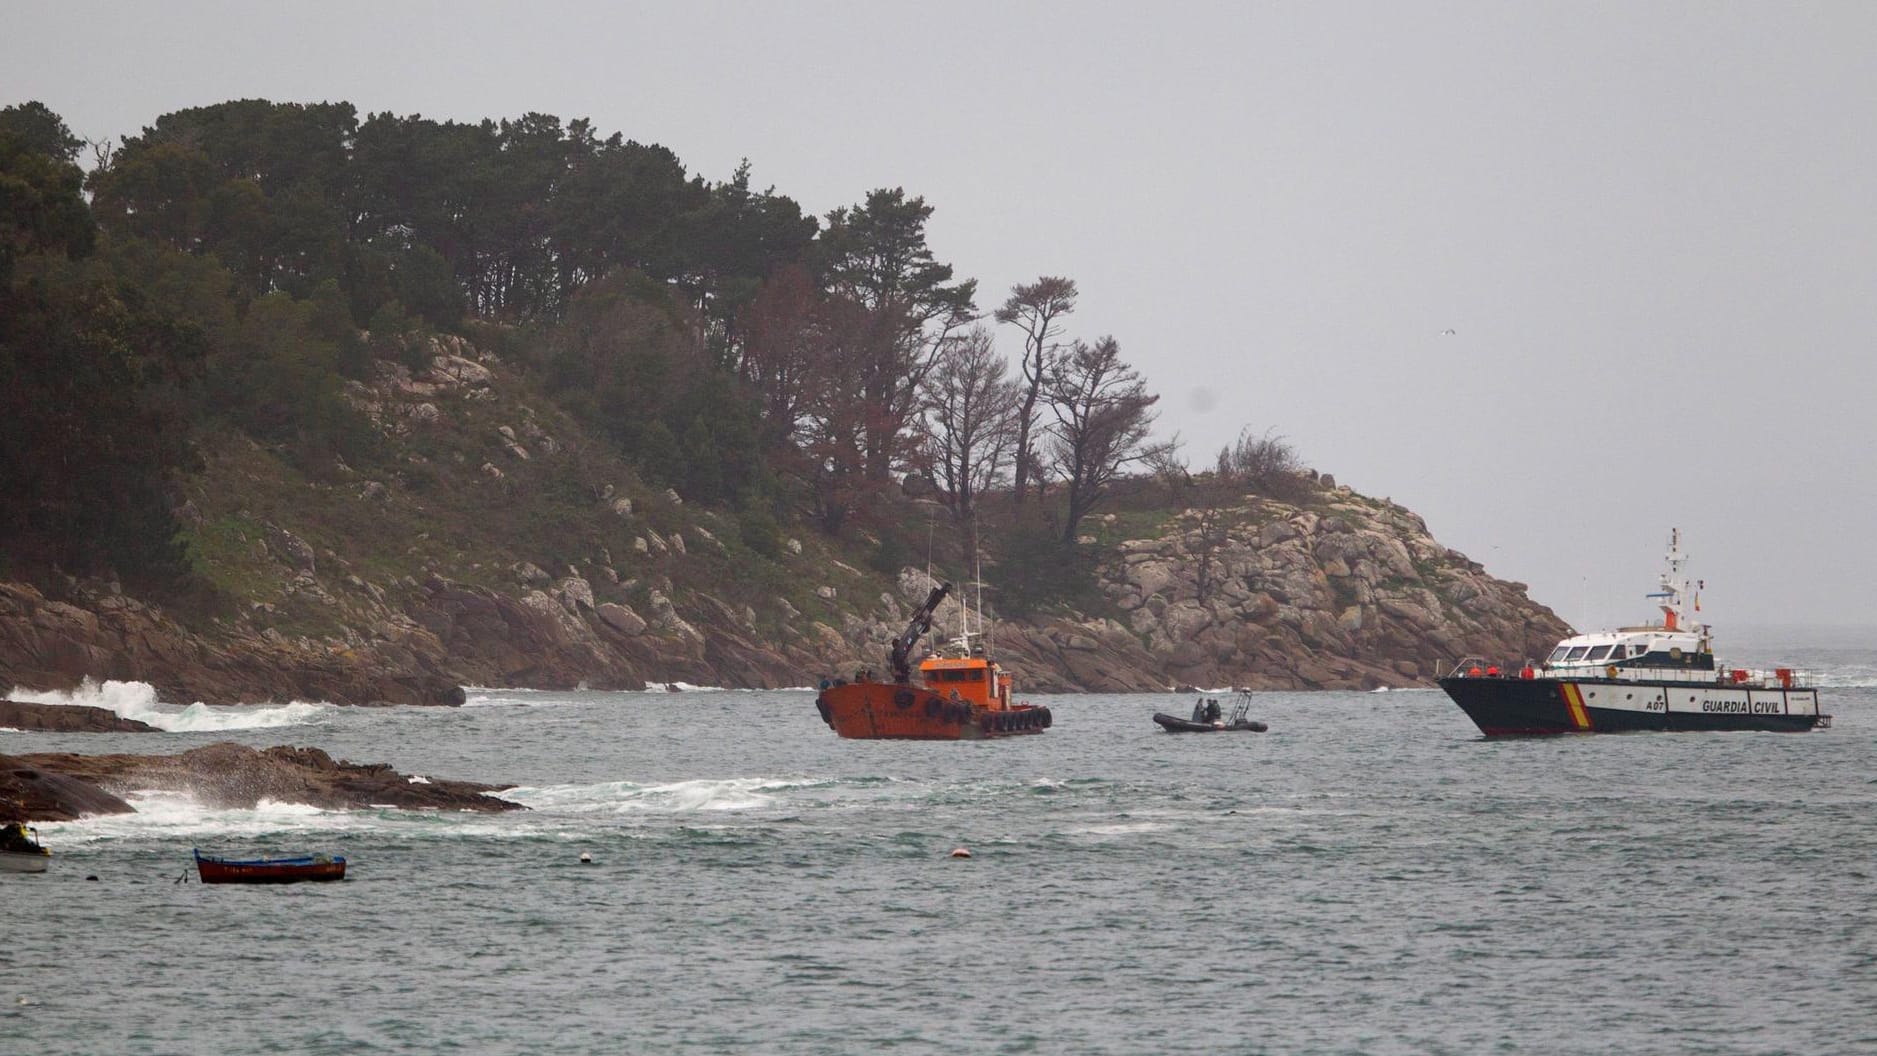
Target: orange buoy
[(960, 852)]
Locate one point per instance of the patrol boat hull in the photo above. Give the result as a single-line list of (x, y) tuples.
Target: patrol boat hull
[(1504, 706), (1657, 676)]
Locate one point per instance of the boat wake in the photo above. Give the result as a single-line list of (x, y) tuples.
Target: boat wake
[(137, 700), (1846, 678)]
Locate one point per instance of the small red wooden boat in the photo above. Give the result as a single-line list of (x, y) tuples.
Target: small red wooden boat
[(269, 870)]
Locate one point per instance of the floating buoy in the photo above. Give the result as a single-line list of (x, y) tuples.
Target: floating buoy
[(91, 878), (960, 852), (585, 857)]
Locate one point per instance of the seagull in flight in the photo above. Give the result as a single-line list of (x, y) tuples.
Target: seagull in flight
[(1446, 332)]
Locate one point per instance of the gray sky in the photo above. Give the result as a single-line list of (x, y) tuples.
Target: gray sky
[(1649, 226)]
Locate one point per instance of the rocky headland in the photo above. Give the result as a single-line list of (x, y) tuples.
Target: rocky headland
[(1346, 592), (402, 587)]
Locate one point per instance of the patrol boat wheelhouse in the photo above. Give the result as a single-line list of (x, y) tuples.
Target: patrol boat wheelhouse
[(1654, 677)]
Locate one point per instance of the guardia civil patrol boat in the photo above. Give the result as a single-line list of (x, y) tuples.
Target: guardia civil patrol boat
[(1659, 676)]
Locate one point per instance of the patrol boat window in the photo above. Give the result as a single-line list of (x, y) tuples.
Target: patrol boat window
[(1577, 653), (1558, 653), (1599, 652)]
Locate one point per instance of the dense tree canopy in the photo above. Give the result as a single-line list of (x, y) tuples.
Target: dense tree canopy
[(235, 265), (90, 368)]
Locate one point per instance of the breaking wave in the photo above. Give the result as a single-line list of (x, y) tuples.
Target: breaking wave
[(176, 819), (487, 697), (137, 700), (174, 815), (680, 797)]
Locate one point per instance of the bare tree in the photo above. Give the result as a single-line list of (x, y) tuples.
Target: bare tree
[(970, 406), (1203, 499), (1211, 495), (1268, 463), (835, 414), (1103, 415), (780, 346), (1036, 309)]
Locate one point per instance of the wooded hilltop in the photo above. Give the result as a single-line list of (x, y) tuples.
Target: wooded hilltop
[(303, 404)]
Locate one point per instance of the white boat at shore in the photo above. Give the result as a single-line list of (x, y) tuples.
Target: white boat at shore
[(20, 851)]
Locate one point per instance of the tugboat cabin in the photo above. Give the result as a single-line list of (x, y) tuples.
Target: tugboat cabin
[(969, 676)]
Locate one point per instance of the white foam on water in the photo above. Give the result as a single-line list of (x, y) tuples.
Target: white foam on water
[(170, 814), (681, 797), (137, 700), (178, 816), (686, 687), (1125, 828), (488, 697)]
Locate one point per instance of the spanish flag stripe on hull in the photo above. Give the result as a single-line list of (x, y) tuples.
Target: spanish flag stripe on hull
[(1574, 702)]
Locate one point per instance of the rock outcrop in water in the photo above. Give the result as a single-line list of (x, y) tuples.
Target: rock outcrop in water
[(29, 792), (63, 786), (67, 718)]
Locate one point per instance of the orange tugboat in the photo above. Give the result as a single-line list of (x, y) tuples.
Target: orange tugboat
[(961, 697)]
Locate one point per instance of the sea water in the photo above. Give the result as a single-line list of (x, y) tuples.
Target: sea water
[(1369, 877)]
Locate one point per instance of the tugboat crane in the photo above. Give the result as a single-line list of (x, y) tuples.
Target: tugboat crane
[(901, 658)]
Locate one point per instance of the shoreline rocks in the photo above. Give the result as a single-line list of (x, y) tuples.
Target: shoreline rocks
[(1342, 592), (1334, 591), (67, 718), (63, 786), (48, 643)]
